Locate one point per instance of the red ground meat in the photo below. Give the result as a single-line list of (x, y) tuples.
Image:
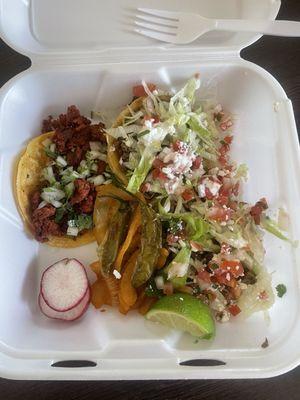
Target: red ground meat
[(101, 167), (73, 132), (74, 157), (43, 224), (97, 133), (72, 119), (61, 138), (45, 228), (79, 139), (43, 213), (35, 200), (82, 189), (47, 125), (87, 205)]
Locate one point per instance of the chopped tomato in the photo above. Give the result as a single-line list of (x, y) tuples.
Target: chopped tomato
[(258, 209), (158, 174), (196, 246), (228, 139), (263, 295), (197, 163), (223, 200), (235, 189), (204, 276), (226, 125), (171, 239), (223, 150), (225, 278), (146, 186), (188, 195), (234, 309), (225, 248), (233, 205), (224, 190), (233, 266), (179, 146), (139, 91), (157, 163), (219, 214), (223, 196), (154, 118), (222, 160), (208, 194)]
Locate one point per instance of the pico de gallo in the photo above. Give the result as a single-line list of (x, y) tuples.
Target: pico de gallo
[(176, 151)]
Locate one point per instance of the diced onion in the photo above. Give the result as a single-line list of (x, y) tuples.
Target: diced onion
[(72, 231), (52, 194), (61, 161), (95, 146), (48, 174), (102, 157), (97, 180), (94, 167), (42, 204), (96, 155), (52, 147), (56, 203), (159, 282)]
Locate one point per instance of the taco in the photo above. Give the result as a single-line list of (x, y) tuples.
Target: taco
[(115, 147), (56, 178), (137, 135)]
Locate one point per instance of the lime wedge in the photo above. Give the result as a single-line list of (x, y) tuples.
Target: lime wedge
[(184, 312)]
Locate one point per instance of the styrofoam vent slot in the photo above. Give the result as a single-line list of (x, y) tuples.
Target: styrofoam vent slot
[(202, 363), (74, 364)]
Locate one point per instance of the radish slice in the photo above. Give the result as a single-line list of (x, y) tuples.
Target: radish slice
[(64, 284), (70, 315)]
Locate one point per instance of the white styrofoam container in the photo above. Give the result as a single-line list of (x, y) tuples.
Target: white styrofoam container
[(83, 53)]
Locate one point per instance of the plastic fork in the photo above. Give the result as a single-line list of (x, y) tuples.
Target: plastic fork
[(183, 28)]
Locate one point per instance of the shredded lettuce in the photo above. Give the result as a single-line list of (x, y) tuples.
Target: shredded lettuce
[(272, 227), (177, 270), (48, 175), (241, 172), (140, 172), (196, 226)]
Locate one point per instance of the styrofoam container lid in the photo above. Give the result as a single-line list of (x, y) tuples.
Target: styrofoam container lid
[(40, 28)]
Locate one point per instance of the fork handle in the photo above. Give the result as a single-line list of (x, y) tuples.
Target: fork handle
[(275, 28)]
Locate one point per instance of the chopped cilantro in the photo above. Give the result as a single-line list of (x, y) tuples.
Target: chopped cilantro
[(59, 214), (84, 221), (281, 290), (152, 291), (174, 225)]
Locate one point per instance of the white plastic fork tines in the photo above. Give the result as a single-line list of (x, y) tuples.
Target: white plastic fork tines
[(182, 28)]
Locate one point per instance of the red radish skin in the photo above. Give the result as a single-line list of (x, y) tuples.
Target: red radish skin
[(64, 285), (68, 316)]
